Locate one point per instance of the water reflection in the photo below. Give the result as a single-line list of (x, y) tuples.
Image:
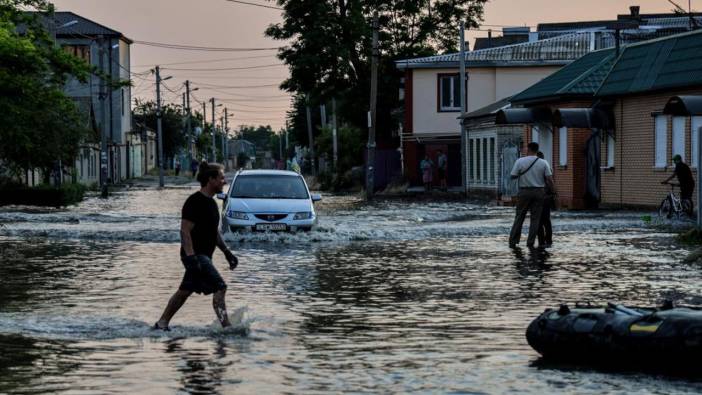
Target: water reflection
[(202, 371)]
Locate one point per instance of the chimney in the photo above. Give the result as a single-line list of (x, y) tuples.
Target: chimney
[(634, 9), (489, 38)]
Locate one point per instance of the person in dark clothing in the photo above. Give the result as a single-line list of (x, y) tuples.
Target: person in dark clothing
[(545, 235), (199, 233), (684, 175)]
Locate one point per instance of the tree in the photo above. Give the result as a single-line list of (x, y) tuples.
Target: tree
[(330, 46), (172, 121), (39, 125)]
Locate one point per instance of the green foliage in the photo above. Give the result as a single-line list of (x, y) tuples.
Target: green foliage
[(39, 123), (172, 121), (328, 53), (42, 195), (259, 135), (350, 146)]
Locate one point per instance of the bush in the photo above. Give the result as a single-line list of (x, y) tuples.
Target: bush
[(42, 195)]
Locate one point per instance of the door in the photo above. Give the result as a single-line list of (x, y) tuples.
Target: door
[(510, 154), (542, 134)]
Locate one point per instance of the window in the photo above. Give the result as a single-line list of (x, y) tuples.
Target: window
[(482, 160), (661, 140), (80, 51), (679, 137), (449, 92), (695, 129), (492, 160), (610, 151), (563, 146)]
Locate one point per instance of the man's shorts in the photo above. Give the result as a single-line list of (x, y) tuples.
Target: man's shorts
[(203, 280), (686, 193)]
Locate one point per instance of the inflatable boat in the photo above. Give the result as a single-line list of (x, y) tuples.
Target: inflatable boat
[(663, 336)]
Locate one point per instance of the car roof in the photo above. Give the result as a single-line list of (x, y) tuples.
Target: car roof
[(267, 173)]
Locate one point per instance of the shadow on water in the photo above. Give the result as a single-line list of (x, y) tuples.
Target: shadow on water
[(673, 371), (23, 356), (202, 371)]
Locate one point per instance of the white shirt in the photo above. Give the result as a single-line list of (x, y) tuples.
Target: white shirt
[(535, 177)]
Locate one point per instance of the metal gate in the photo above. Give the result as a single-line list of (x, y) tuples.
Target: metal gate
[(509, 155)]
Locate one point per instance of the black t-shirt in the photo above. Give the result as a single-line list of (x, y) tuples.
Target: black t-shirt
[(203, 212), (684, 175)]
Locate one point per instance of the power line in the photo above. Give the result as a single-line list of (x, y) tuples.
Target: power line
[(228, 68), (255, 5), (209, 60), (186, 47), (204, 85)]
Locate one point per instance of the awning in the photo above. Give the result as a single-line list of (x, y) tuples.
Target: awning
[(684, 105), (586, 118), (518, 116)]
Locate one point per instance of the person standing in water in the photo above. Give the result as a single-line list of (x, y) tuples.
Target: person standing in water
[(199, 235)]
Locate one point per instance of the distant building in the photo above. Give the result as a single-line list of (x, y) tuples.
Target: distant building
[(109, 110)]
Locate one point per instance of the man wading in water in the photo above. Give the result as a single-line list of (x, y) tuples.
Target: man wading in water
[(199, 234)]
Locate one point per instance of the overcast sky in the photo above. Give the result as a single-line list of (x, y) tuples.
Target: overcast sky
[(255, 98)]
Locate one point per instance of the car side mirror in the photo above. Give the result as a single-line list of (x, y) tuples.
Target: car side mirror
[(222, 196), (316, 197)]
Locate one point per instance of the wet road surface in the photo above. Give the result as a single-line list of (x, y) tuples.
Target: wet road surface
[(396, 296)]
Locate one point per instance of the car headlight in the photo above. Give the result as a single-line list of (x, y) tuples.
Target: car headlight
[(237, 215), (303, 215)]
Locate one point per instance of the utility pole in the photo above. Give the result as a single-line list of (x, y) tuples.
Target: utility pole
[(159, 131), (225, 138), (310, 136), (335, 148), (103, 128), (462, 90), (214, 147), (188, 124), (222, 133), (370, 163)]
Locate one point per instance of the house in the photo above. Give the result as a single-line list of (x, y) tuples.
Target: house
[(432, 102), (640, 84), (606, 116), (564, 146), (109, 109)]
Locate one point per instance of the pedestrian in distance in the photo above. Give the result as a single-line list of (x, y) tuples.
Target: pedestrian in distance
[(442, 167), (687, 182), (199, 235), (193, 167), (532, 174), (545, 235), (427, 168), (177, 168)]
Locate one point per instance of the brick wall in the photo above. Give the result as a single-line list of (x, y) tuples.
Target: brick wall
[(635, 181)]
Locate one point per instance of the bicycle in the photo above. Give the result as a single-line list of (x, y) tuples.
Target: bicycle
[(673, 204)]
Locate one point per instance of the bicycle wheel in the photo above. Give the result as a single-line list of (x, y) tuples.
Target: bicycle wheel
[(686, 207), (666, 208)]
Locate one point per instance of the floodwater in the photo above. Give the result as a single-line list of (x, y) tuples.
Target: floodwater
[(392, 297)]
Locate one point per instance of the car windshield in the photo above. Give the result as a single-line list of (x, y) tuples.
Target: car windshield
[(269, 187)]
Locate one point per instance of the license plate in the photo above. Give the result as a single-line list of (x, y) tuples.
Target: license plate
[(271, 227)]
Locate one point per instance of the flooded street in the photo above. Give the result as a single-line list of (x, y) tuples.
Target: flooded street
[(396, 296)]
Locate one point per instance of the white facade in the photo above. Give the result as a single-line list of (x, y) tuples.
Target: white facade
[(486, 85)]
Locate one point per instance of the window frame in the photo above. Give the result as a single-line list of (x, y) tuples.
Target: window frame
[(660, 141), (563, 146), (454, 95)]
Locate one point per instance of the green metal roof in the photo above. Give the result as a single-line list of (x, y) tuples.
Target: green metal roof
[(581, 77), (670, 62)]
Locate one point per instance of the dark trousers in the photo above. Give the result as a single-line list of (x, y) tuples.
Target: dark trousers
[(530, 200), (545, 231)]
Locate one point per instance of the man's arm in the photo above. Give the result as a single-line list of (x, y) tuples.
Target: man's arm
[(667, 180), (515, 170), (551, 185), (228, 254), (185, 240)]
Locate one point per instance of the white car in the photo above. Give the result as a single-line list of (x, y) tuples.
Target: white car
[(268, 200)]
